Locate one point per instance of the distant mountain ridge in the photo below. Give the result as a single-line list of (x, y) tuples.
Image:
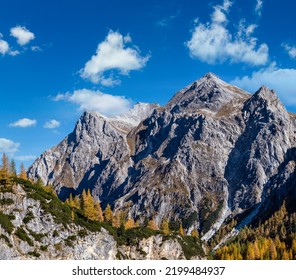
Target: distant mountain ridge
[(213, 152)]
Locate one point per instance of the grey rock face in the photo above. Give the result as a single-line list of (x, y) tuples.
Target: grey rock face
[(213, 151), (48, 239)]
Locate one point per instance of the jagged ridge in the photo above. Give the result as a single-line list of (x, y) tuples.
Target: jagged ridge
[(212, 152)]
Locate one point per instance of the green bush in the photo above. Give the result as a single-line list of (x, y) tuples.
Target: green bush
[(82, 233), (43, 247), (29, 216), (6, 201), (34, 254), (21, 234), (6, 223), (191, 247), (69, 240), (37, 236), (4, 237)]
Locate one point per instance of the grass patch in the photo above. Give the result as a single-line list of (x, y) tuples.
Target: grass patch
[(6, 223), (6, 239), (69, 241), (131, 236), (58, 246), (21, 234), (82, 233), (43, 247), (191, 246), (34, 254), (6, 201), (37, 236), (4, 189), (29, 216)]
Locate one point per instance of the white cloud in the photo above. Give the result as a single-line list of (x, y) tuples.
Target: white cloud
[(112, 54), (25, 157), (168, 20), (14, 53), (36, 49), (213, 43), (104, 103), (281, 80), (259, 6), (52, 124), (23, 123), (4, 47), (290, 49), (22, 34), (8, 146)]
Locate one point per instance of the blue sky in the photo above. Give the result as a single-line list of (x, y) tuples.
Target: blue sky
[(58, 58)]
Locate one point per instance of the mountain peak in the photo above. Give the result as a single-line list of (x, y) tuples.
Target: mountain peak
[(211, 75), (209, 92), (137, 113), (266, 93)]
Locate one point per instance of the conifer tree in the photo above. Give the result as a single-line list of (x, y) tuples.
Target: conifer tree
[(77, 202), (194, 233), (5, 178), (165, 227), (23, 173), (98, 211), (130, 223), (108, 214), (118, 219), (89, 209), (12, 168), (250, 255), (152, 225), (181, 230), (256, 251)]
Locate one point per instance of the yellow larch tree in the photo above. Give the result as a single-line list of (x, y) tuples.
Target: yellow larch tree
[(165, 227), (108, 214)]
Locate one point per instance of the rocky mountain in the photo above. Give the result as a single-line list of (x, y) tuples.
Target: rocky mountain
[(212, 152)]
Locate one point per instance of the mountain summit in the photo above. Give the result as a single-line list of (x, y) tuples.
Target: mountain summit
[(213, 152)]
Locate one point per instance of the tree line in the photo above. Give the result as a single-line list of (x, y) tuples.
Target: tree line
[(8, 171), (92, 210), (275, 239)]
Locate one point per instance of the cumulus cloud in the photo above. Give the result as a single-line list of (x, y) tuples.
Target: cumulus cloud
[(25, 157), (4, 46), (290, 49), (52, 124), (113, 54), (25, 122), (104, 103), (281, 80), (8, 146), (213, 43), (259, 6), (22, 35)]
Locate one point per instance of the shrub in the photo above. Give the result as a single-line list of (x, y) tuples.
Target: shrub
[(191, 247), (34, 254), (4, 237), (6, 223), (21, 234), (6, 201), (29, 216)]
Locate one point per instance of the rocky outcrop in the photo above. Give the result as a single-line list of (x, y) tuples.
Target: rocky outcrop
[(213, 151), (28, 231)]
